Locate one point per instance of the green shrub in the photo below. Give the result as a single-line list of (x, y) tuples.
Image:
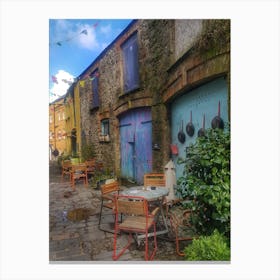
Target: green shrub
[(87, 151), (206, 182), (61, 158), (208, 248)]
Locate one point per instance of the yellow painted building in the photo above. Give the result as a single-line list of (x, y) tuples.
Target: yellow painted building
[(73, 121), (57, 132)]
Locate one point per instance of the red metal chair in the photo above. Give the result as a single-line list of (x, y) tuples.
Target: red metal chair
[(181, 227), (108, 191), (91, 166), (79, 171), (158, 180), (154, 179), (66, 169), (136, 219)]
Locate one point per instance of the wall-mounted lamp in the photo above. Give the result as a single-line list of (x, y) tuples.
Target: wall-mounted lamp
[(156, 146)]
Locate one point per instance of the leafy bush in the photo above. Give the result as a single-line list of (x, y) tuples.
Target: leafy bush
[(208, 248), (87, 151), (206, 182), (62, 158)]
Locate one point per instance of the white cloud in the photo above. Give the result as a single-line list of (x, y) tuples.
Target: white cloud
[(70, 31), (61, 87), (87, 41), (106, 29)]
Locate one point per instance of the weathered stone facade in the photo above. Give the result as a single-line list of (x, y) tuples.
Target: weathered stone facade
[(167, 66)]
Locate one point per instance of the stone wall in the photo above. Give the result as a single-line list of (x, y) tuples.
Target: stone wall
[(185, 35), (166, 69), (154, 58)]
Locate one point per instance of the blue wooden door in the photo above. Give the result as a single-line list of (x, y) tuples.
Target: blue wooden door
[(136, 144)]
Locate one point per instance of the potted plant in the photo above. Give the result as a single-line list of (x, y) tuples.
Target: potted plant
[(75, 159)]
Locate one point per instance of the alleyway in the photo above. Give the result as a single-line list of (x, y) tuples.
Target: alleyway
[(76, 237)]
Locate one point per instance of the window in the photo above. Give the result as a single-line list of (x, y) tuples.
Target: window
[(105, 127), (95, 80), (51, 118), (130, 64)]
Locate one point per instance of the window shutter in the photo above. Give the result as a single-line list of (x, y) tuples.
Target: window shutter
[(131, 65), (95, 100)]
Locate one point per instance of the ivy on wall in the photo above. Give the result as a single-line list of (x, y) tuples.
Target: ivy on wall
[(215, 36)]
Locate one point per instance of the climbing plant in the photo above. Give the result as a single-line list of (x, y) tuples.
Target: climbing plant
[(206, 182), (215, 36), (88, 151)]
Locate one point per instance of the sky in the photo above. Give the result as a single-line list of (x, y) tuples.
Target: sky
[(73, 46)]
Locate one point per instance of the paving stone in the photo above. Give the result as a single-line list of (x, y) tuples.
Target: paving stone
[(63, 236), (108, 256), (82, 241)]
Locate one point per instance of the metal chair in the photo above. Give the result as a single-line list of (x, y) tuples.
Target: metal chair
[(79, 171), (154, 179), (158, 180), (136, 220), (108, 191), (181, 226), (90, 166), (66, 169)]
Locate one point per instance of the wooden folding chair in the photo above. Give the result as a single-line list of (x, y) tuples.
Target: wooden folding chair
[(79, 171), (136, 220), (108, 191)]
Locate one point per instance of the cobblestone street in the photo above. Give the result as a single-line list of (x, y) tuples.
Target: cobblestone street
[(76, 237)]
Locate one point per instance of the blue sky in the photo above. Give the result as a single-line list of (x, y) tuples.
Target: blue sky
[(73, 46)]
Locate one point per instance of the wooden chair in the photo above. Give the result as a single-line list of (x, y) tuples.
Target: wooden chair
[(157, 180), (79, 171), (66, 169), (137, 220), (99, 166), (90, 166), (108, 191), (154, 179)]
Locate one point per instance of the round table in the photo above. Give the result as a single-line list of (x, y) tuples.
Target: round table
[(149, 193)]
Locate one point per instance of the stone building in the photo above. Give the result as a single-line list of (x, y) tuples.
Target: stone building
[(140, 92)]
